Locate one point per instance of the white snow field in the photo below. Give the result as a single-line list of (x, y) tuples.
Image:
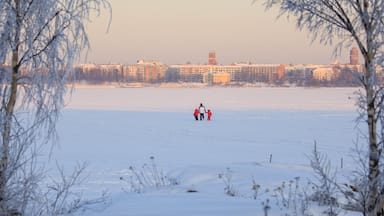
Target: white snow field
[(260, 134)]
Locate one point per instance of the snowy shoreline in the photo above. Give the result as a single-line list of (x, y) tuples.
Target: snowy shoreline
[(193, 85)]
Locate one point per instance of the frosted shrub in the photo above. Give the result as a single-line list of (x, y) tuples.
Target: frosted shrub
[(291, 200), (149, 176), (255, 188), (266, 207), (326, 190), (227, 179)]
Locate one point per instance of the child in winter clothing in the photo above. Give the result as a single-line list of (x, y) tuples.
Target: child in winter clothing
[(209, 114), (196, 114)]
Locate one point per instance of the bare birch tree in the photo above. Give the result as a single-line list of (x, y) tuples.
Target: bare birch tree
[(358, 22), (39, 42)]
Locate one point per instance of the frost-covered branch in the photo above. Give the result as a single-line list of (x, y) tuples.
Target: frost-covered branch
[(62, 196), (39, 42), (359, 22)]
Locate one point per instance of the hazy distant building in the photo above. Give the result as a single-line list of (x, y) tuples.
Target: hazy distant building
[(220, 74), (206, 73), (354, 56), (151, 71), (235, 74), (325, 74), (221, 78), (212, 58), (191, 72), (99, 73), (261, 73), (349, 73), (230, 73)]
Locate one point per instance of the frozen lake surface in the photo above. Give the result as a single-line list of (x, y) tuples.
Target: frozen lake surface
[(176, 99), (259, 133)]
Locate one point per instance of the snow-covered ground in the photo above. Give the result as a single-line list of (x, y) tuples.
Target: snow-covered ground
[(260, 134)]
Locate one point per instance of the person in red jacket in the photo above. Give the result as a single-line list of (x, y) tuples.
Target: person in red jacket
[(196, 114), (209, 114)]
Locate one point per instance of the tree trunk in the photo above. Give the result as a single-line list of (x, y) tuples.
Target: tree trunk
[(8, 118), (374, 153), (7, 140)]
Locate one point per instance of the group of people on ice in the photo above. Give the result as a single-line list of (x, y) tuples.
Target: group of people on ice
[(200, 112)]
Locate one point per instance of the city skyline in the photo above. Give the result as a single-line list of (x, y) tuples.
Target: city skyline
[(176, 32), (212, 73)]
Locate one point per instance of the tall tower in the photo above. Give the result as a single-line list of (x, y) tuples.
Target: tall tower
[(212, 58), (354, 56)]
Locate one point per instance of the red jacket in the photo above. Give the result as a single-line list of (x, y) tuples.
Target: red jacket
[(196, 113), (209, 113)]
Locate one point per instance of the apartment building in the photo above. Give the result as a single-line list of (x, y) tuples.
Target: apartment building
[(325, 74), (190, 72), (260, 73), (151, 71), (232, 73)]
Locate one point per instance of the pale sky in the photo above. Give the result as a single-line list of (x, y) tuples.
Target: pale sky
[(180, 31)]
